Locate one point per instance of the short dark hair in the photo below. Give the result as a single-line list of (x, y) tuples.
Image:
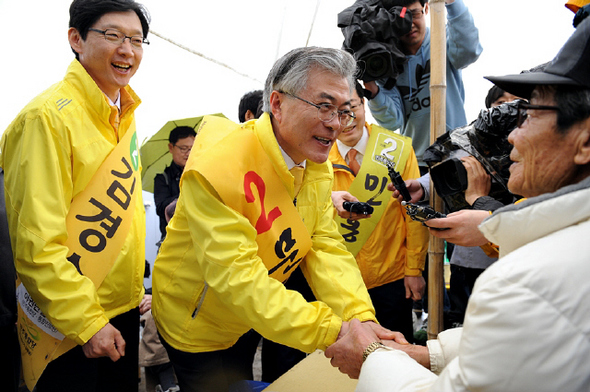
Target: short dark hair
[(249, 102), (493, 95), (180, 132), (360, 90), (85, 13)]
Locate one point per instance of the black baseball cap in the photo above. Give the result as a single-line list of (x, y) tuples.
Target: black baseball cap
[(571, 67)]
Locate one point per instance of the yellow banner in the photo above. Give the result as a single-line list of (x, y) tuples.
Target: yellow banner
[(370, 184), (98, 224), (249, 184)]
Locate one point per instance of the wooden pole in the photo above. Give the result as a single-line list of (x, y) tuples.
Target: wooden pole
[(438, 90)]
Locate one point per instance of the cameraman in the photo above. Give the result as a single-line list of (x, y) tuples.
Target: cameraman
[(407, 105)]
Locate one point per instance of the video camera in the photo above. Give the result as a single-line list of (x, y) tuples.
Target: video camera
[(486, 139), (371, 30)]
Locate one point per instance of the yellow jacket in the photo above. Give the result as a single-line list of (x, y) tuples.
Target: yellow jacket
[(398, 245), (211, 286), (49, 154)]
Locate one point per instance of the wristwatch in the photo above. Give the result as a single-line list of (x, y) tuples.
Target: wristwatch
[(372, 347)]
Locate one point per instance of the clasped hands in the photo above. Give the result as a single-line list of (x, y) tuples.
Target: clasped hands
[(347, 352)]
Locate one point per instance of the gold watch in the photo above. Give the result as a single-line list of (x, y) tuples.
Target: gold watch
[(372, 347)]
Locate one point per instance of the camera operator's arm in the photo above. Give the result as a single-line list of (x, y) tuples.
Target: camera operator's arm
[(461, 227), (339, 197), (478, 180)]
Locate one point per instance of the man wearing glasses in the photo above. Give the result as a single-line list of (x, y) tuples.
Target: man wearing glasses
[(526, 327), (76, 219), (255, 205), (167, 183)]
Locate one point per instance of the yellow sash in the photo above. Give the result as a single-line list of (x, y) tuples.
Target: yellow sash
[(249, 184), (371, 182), (97, 224)]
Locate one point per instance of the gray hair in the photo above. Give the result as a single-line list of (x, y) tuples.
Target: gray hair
[(290, 72)]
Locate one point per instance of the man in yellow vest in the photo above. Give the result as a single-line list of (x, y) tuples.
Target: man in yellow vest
[(245, 221), (75, 211), (390, 248)]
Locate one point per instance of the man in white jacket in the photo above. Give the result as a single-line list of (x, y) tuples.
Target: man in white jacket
[(527, 326)]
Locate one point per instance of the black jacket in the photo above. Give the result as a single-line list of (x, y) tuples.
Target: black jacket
[(166, 189)]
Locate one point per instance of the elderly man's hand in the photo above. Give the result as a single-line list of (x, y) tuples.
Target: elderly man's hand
[(414, 187), (107, 342), (461, 227), (419, 353), (347, 353)]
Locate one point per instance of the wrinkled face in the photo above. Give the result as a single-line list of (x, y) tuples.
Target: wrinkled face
[(296, 125), (353, 133), (181, 150), (110, 65), (543, 158), (412, 41), (506, 97)]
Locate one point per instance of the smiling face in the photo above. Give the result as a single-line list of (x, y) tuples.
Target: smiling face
[(412, 41), (353, 133), (110, 65), (296, 125), (544, 159)]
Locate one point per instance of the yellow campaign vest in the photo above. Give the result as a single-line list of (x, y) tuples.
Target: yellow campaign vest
[(97, 224), (371, 182), (249, 184)]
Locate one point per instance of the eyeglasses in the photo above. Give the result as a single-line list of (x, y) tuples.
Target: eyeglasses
[(417, 13), (327, 112), (184, 149), (522, 108), (117, 38)]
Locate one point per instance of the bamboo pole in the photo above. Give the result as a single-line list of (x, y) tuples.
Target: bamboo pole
[(438, 90)]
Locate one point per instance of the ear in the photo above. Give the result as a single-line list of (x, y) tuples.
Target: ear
[(276, 100), (170, 147), (582, 155), (426, 9), (249, 115), (75, 39)]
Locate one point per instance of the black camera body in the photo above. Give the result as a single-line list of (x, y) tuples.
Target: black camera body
[(371, 30), (358, 207), (486, 139)]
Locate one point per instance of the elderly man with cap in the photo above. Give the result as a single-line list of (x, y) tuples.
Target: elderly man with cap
[(527, 323)]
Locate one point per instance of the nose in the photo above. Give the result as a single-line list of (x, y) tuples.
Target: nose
[(334, 124), (126, 46)]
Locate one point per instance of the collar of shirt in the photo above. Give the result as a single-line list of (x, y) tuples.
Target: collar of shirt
[(360, 146), (289, 161), (117, 103)]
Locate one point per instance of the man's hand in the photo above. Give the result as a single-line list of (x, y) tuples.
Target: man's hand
[(478, 180), (415, 286), (145, 304), (372, 87), (414, 188), (462, 227), (339, 197), (419, 353), (108, 342), (347, 353)]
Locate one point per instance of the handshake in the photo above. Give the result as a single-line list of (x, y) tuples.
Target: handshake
[(357, 340)]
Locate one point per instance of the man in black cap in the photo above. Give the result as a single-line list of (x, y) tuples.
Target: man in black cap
[(527, 323)]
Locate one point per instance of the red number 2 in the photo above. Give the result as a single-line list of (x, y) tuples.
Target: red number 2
[(264, 222)]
